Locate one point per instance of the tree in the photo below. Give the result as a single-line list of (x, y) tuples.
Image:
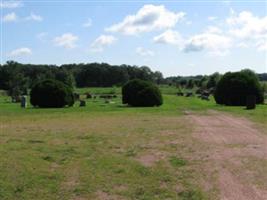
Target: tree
[(51, 94), (234, 88), (13, 79), (141, 93), (158, 77), (203, 82), (190, 84), (81, 75), (65, 76), (213, 80), (183, 82)]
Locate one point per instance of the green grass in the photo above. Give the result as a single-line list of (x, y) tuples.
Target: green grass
[(96, 151), (99, 90), (177, 162)]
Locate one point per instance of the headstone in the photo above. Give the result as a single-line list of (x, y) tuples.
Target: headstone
[(189, 94), (205, 93), (82, 103), (205, 97), (88, 95), (23, 102), (251, 102)]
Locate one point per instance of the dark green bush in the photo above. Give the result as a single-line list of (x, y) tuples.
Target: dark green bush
[(233, 88), (251, 102), (51, 94), (141, 93)]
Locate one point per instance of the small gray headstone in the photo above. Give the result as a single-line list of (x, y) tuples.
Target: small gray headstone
[(23, 102), (82, 103)]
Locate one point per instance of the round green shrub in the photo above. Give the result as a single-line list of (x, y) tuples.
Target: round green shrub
[(51, 94), (233, 88), (140, 93)]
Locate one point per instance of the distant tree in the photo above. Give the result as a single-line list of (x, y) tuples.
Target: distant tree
[(213, 80), (81, 75), (190, 84), (13, 79), (183, 82), (158, 77), (203, 82), (264, 87), (263, 77), (65, 76)]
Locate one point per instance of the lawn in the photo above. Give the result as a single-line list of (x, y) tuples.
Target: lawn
[(105, 151)]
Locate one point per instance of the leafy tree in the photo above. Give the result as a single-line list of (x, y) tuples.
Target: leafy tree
[(183, 82), (213, 80), (65, 76), (190, 84), (158, 77), (203, 82), (13, 79)]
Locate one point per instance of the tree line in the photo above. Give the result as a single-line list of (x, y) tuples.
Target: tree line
[(17, 78)]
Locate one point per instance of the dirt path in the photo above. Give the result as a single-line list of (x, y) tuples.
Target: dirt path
[(230, 141)]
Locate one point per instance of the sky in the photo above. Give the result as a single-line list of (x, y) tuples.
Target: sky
[(175, 37)]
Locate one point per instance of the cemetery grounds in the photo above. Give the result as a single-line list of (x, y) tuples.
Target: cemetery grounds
[(187, 149)]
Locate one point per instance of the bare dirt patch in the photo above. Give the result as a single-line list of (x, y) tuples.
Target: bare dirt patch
[(229, 140), (149, 159), (106, 196)]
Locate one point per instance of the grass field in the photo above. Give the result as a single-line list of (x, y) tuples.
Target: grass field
[(103, 151)]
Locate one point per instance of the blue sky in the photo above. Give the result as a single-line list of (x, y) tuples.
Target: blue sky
[(174, 37)]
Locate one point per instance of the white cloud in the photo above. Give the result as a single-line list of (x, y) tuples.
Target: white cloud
[(246, 28), (24, 51), (101, 42), (144, 52), (10, 17), (10, 4), (245, 25), (241, 30), (148, 18), (88, 23), (34, 17), (67, 40), (214, 43), (213, 29), (170, 37), (213, 40), (242, 45)]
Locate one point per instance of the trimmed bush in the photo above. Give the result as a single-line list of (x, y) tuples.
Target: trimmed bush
[(51, 94), (233, 88), (251, 102), (140, 93)]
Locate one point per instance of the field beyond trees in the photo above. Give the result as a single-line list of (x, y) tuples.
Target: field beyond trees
[(110, 151)]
